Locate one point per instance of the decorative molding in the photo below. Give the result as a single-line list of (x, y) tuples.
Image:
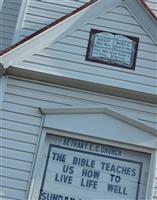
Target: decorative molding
[(98, 110)]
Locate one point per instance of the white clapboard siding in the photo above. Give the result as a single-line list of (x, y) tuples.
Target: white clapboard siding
[(12, 173), (73, 49), (145, 42), (12, 194), (19, 132), (61, 97), (54, 56), (16, 154), (8, 19), (67, 56), (18, 165), (21, 123), (153, 5), (13, 183), (20, 146), (84, 97), (43, 12)]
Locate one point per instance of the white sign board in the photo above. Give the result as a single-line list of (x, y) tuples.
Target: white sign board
[(78, 170)]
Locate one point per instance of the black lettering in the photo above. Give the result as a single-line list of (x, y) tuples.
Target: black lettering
[(63, 178), (107, 166), (117, 189), (115, 178), (60, 197), (91, 147), (89, 183), (124, 170), (110, 188), (119, 169), (59, 157), (71, 170), (90, 173), (55, 197), (83, 162), (112, 177), (68, 169), (128, 171), (50, 196), (43, 196), (113, 169), (133, 172)]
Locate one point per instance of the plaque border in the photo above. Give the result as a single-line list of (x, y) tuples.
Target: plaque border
[(82, 151), (114, 64)]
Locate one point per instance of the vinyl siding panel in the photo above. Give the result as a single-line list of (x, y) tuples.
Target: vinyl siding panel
[(11, 194), (63, 98), (40, 13), (67, 56), (15, 164), (8, 19), (21, 124), (19, 134)]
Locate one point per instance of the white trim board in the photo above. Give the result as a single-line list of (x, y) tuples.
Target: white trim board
[(100, 122), (20, 20), (82, 84), (55, 33), (3, 85), (1, 4)]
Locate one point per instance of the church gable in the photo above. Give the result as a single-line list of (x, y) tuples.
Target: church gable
[(67, 56)]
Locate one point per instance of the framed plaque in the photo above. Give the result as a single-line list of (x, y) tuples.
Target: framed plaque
[(112, 49)]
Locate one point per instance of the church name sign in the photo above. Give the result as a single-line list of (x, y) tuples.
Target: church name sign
[(77, 170), (112, 49)]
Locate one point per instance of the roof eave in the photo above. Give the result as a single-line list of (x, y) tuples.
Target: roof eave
[(82, 84), (148, 23), (148, 9)]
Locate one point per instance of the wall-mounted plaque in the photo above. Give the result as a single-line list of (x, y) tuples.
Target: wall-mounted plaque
[(81, 170), (112, 49)]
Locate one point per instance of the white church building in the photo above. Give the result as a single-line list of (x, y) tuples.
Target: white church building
[(78, 99)]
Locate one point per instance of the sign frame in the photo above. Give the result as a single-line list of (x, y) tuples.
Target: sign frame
[(105, 156), (39, 164), (114, 64)]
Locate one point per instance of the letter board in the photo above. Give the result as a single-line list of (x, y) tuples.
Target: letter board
[(79, 170)]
